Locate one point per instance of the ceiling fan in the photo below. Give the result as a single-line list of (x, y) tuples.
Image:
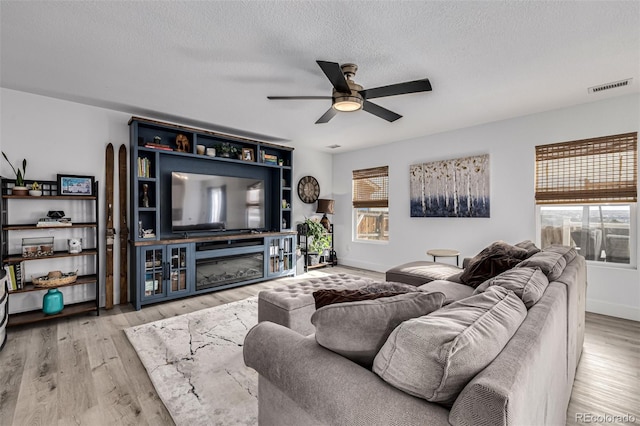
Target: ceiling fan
[(349, 96)]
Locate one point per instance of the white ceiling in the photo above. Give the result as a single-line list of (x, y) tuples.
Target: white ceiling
[(212, 64)]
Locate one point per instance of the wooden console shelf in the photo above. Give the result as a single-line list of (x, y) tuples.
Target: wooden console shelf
[(85, 262)]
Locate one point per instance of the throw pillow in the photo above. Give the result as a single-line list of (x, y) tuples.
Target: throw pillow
[(374, 291), (551, 263), (569, 253), (494, 259), (433, 357), (527, 283), (529, 246), (357, 330)]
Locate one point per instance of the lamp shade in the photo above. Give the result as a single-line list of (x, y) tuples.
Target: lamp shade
[(325, 206)]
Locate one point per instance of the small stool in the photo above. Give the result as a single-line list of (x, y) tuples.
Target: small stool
[(436, 253)]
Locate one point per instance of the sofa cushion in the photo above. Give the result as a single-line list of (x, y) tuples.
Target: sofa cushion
[(452, 291), (569, 253), (324, 297), (529, 246), (494, 259), (421, 271), (435, 356), (527, 283), (357, 330), (551, 263)]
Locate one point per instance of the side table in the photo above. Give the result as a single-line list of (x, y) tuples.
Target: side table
[(436, 253)]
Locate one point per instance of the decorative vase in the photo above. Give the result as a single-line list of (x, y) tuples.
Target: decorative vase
[(52, 302), (19, 190), (35, 192)]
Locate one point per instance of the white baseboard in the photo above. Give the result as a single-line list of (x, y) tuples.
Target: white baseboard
[(376, 267), (613, 309)]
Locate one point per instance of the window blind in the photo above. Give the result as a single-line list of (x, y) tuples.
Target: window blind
[(371, 187), (598, 170)]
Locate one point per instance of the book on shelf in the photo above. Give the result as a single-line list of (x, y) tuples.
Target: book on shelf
[(270, 159), (49, 222), (158, 146), (11, 277), (144, 167)]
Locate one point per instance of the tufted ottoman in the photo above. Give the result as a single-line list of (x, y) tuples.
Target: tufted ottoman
[(292, 305)]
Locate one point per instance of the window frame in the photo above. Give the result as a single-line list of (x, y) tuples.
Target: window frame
[(359, 202), (633, 232)]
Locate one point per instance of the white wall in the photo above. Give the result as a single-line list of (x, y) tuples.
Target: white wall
[(57, 136), (311, 163), (511, 146)]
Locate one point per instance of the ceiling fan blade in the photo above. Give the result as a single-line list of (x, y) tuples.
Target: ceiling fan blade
[(298, 97), (397, 89), (334, 73), (383, 113), (327, 116)]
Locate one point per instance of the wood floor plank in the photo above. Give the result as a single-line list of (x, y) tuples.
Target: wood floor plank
[(83, 370), (38, 396)]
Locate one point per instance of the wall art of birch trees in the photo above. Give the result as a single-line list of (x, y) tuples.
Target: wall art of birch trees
[(450, 188)]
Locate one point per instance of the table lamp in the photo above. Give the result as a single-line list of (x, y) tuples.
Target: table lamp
[(325, 206)]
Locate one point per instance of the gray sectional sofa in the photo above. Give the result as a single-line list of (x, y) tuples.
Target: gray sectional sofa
[(532, 328)]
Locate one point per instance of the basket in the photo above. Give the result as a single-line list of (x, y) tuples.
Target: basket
[(54, 279)]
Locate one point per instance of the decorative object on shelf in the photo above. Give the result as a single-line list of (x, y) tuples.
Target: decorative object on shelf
[(55, 278), (52, 302), (200, 149), (308, 189), (145, 195), (37, 247), (211, 152), (157, 140), (35, 190), (48, 222), (75, 185), (140, 229), (227, 150), (247, 154), (281, 162), (450, 188), (182, 143), (325, 206), (19, 188), (74, 245)]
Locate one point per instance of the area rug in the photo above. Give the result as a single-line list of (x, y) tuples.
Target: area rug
[(195, 363)]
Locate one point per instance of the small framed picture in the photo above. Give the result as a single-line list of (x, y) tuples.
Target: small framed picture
[(247, 154), (75, 185)]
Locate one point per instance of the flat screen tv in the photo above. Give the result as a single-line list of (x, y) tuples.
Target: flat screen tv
[(202, 202)]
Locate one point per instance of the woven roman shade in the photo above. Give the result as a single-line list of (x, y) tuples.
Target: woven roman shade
[(598, 170), (371, 187)]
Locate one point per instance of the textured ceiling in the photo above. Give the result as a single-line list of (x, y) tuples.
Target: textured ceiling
[(213, 64)]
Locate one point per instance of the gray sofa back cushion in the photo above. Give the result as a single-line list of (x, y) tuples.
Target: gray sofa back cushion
[(357, 330), (551, 263), (527, 283), (435, 356), (529, 246), (569, 253)]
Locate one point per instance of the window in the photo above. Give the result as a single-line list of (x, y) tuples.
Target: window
[(371, 204), (586, 192)]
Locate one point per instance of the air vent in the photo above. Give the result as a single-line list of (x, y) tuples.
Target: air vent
[(607, 86), (334, 146)]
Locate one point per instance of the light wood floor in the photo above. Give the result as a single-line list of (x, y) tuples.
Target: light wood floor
[(83, 371)]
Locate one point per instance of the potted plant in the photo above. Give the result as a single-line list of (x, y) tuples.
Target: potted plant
[(317, 239), (35, 190), (19, 188)]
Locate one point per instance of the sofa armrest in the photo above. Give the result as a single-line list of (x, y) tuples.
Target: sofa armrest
[(328, 386)]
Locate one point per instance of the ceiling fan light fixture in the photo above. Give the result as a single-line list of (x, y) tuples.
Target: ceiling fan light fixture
[(347, 103)]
